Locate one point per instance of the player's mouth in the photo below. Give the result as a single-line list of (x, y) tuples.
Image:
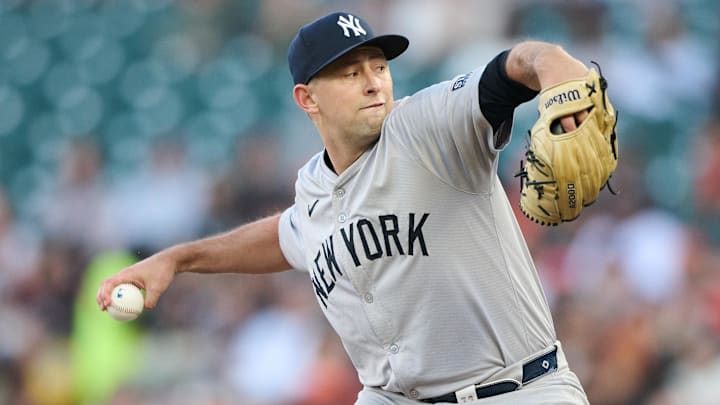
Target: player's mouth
[(371, 106)]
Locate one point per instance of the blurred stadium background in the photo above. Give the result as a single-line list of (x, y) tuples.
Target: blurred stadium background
[(127, 126)]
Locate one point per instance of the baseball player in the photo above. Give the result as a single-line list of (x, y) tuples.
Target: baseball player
[(403, 226)]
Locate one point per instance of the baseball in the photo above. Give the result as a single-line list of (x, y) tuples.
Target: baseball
[(127, 302)]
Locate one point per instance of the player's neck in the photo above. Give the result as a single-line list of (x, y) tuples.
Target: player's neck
[(341, 160), (343, 155)]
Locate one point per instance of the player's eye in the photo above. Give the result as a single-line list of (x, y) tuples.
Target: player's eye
[(351, 74)]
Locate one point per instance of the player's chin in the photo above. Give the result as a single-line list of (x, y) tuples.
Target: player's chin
[(375, 120), (373, 128)]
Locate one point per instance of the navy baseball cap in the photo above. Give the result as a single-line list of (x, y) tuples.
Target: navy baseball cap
[(324, 40)]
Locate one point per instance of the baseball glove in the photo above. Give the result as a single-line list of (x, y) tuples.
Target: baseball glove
[(566, 171)]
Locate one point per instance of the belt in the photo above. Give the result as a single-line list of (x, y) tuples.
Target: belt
[(531, 370)]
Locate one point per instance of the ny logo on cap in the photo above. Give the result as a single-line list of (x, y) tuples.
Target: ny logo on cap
[(351, 23)]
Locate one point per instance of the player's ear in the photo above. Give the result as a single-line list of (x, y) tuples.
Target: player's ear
[(303, 95)]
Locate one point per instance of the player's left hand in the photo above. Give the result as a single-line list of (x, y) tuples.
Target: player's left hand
[(566, 169), (570, 69), (572, 122)]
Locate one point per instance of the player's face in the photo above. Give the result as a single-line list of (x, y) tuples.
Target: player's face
[(354, 93)]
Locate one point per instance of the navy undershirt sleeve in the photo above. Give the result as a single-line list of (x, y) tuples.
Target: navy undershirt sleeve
[(499, 95)]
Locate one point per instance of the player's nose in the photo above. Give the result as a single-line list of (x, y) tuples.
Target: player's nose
[(373, 83)]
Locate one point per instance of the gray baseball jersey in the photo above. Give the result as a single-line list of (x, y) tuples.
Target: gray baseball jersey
[(414, 252)]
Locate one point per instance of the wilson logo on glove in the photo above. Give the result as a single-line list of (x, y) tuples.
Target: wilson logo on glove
[(562, 98)]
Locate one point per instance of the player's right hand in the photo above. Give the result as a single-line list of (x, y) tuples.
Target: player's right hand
[(153, 275)]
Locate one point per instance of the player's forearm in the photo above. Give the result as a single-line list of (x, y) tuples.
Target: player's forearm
[(538, 65), (252, 249)]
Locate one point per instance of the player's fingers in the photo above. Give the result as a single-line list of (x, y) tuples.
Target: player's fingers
[(151, 299), (572, 122), (580, 117), (568, 123), (105, 290), (154, 289), (103, 295)]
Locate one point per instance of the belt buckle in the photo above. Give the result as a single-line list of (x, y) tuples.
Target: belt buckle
[(466, 394), (539, 366)]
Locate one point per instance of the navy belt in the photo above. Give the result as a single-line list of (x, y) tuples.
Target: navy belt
[(531, 370)]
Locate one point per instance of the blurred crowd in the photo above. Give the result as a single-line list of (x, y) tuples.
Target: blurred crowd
[(198, 134)]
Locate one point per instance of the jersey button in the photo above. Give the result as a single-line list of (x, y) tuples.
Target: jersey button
[(394, 349), (413, 393), (342, 218), (339, 193), (368, 298)]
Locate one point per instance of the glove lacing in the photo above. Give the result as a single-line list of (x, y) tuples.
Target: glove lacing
[(613, 136), (537, 185)]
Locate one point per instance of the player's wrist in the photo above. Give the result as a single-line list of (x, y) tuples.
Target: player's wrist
[(174, 259), (554, 65)]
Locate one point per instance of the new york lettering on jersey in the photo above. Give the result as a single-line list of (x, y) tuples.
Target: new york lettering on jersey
[(366, 240)]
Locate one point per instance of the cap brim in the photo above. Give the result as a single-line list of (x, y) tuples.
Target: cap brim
[(392, 46)]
